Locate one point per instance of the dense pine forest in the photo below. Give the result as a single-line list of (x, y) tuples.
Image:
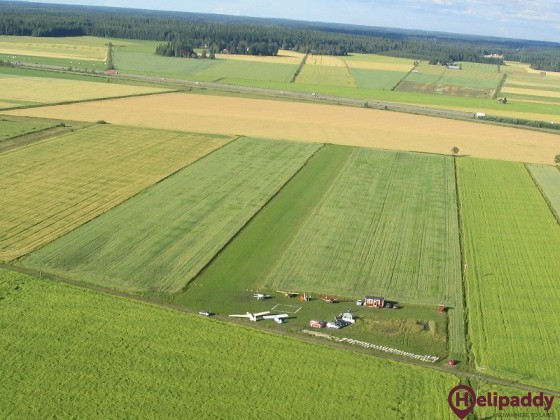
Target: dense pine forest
[(181, 33)]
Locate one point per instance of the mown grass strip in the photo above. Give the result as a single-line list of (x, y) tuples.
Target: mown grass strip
[(17, 126), (246, 261)]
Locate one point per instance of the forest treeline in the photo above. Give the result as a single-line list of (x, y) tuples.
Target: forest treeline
[(182, 32)]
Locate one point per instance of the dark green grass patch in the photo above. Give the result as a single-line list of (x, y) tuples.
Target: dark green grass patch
[(17, 126)]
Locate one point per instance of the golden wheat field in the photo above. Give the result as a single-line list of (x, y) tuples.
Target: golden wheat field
[(284, 56), (313, 122), (530, 92), (22, 90), (79, 48), (324, 60), (378, 62), (51, 187)]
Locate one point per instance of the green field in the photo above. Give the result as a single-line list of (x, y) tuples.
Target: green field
[(51, 187), (140, 57), (248, 259), (66, 351), (376, 79), (387, 226), (159, 240), (476, 80), (16, 126), (512, 248), (325, 75), (248, 70), (548, 179)]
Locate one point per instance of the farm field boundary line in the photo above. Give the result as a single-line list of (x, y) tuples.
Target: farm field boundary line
[(465, 308), (131, 197), (180, 84), (28, 139), (100, 289), (136, 95)]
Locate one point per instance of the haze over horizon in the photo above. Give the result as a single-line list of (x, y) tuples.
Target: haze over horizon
[(522, 19)]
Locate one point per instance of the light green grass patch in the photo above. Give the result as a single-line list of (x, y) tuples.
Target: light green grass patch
[(512, 248), (326, 75), (249, 70), (69, 352), (160, 239), (548, 179), (387, 226), (375, 79)]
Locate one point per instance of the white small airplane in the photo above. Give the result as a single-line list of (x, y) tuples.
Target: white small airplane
[(252, 316), (278, 318), (261, 296)]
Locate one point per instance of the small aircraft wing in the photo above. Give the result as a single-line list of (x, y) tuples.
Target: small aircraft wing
[(276, 316), (261, 313), (240, 316)]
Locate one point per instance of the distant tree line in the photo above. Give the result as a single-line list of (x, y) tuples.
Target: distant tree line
[(237, 35)]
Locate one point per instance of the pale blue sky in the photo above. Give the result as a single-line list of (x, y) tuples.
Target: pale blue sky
[(527, 19)]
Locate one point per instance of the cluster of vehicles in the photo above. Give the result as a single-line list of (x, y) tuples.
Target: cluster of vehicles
[(341, 320)]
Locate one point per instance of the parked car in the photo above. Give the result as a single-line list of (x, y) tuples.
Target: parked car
[(317, 324), (336, 324), (205, 313)]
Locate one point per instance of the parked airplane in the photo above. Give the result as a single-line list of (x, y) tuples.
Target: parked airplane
[(253, 317), (278, 318), (261, 296), (288, 294)]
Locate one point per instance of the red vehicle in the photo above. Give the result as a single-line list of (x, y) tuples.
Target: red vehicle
[(317, 324)]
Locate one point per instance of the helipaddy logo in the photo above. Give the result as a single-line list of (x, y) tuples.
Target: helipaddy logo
[(462, 400)]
